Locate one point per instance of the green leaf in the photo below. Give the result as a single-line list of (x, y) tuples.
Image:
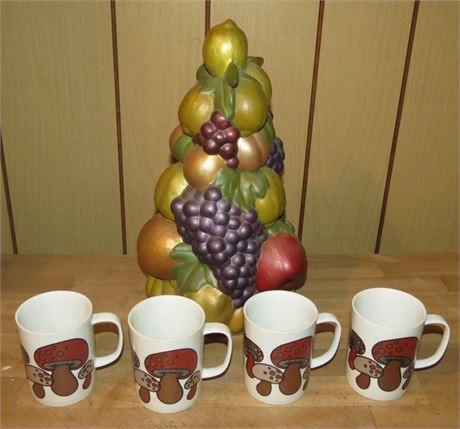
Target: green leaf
[(224, 98), (191, 274), (242, 188), (209, 86), (231, 75), (202, 73), (256, 60), (281, 225), (183, 144)]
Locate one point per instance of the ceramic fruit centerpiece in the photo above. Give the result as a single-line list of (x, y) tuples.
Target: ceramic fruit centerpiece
[(219, 234)]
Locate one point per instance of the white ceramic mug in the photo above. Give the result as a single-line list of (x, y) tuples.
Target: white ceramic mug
[(385, 333), (57, 340), (167, 341), (279, 329)]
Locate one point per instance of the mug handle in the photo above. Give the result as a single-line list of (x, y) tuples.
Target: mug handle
[(108, 318), (434, 319), (327, 356), (218, 328)]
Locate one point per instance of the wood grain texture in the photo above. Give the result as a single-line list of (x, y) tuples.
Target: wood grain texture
[(287, 43), (115, 284), (58, 123), (159, 50), (422, 212), (361, 64), (6, 243)]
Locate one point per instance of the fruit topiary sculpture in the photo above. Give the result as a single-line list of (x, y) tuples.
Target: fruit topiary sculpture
[(219, 234)]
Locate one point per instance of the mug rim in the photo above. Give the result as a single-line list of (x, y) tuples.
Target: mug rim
[(285, 293), (146, 301), (81, 296), (391, 290)]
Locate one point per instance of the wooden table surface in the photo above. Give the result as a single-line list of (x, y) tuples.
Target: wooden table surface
[(114, 283)]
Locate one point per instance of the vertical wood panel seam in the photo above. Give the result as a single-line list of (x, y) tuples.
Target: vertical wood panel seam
[(399, 111), (118, 123), (311, 115), (207, 16), (9, 207)]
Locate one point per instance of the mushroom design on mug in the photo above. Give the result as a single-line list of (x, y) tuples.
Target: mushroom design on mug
[(408, 375), (192, 384), (267, 375), (25, 355), (39, 378), (292, 357), (306, 376), (61, 358), (368, 369), (146, 383), (357, 347), (253, 354), (86, 373), (394, 354), (170, 367)]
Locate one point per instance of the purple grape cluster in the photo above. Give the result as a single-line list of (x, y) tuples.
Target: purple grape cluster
[(219, 137), (276, 157), (223, 236)]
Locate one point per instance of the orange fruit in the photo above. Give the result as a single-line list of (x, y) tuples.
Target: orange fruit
[(175, 134), (272, 206), (195, 109), (170, 185), (251, 107), (224, 43), (253, 151), (200, 169), (155, 241)]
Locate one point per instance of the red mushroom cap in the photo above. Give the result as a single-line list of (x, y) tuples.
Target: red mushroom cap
[(181, 362), (251, 348), (400, 349), (295, 351), (356, 341), (70, 352)]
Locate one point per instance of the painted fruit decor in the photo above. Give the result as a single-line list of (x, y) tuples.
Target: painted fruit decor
[(220, 234)]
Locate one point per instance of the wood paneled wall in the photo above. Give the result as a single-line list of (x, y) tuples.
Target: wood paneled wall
[(365, 97)]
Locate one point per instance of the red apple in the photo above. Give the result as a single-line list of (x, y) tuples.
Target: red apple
[(282, 263)]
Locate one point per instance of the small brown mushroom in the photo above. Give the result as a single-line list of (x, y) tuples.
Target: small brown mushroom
[(61, 358), (293, 357), (368, 369), (39, 378), (357, 347), (253, 354), (147, 384), (394, 354), (306, 376), (192, 384), (170, 367), (267, 375), (408, 375), (86, 373)]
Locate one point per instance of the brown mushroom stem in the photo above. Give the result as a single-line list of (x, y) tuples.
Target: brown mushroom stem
[(249, 365), (363, 381), (264, 388), (170, 390), (87, 382), (391, 377), (38, 390), (351, 357), (144, 394), (64, 382), (292, 379), (192, 392)]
